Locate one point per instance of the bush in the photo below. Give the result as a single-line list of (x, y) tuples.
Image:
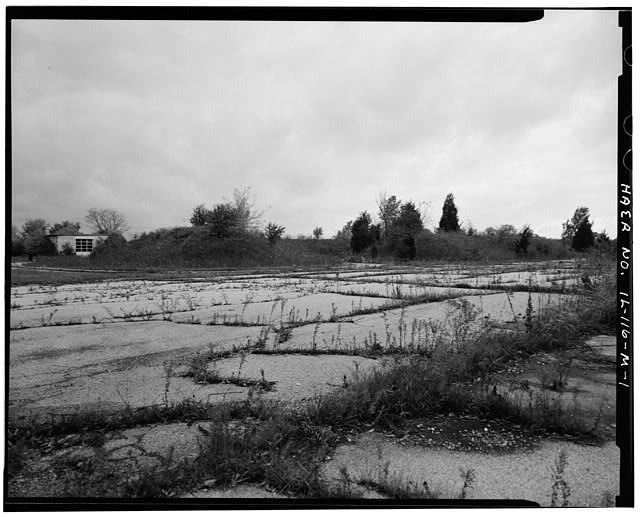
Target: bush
[(17, 247), (67, 249), (197, 247), (458, 246), (113, 244)]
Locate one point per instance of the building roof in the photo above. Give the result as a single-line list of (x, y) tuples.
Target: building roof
[(76, 235)]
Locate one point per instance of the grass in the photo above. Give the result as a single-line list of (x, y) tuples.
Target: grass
[(203, 370), (446, 381)]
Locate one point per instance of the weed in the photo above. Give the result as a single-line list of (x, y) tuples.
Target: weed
[(560, 374), (168, 373), (560, 490), (167, 306), (261, 341), (283, 334), (16, 452), (607, 500), (47, 322), (395, 486), (243, 359), (528, 322), (315, 333), (334, 313), (469, 479)]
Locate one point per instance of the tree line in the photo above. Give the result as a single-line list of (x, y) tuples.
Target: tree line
[(398, 231), (400, 223)]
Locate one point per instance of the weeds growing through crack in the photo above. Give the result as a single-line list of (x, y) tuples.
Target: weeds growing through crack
[(16, 452), (469, 478), (168, 373), (315, 333), (557, 378), (528, 322), (47, 322), (334, 313), (560, 491), (394, 486), (261, 341), (283, 334)]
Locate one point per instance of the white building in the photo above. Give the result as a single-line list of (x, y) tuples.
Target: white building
[(80, 244)]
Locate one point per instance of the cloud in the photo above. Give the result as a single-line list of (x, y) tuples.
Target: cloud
[(153, 118)]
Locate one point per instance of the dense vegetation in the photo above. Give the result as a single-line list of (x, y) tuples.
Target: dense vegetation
[(231, 234)]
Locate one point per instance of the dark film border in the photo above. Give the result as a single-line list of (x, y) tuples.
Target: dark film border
[(624, 336), (624, 327)]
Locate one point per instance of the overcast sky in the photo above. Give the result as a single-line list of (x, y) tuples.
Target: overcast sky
[(154, 118)]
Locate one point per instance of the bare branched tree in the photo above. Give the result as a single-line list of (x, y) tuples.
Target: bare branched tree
[(106, 221), (247, 214), (388, 210)]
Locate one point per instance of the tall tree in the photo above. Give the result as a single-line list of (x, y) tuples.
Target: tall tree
[(361, 235), (449, 220), (34, 234), (65, 227), (248, 217), (523, 241), (404, 230), (388, 210), (343, 235), (583, 237), (106, 221), (409, 220), (317, 232), (17, 242), (222, 220), (570, 227)]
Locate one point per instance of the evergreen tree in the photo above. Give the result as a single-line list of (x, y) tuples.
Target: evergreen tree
[(570, 227), (404, 230), (361, 235), (449, 220), (583, 238), (273, 232)]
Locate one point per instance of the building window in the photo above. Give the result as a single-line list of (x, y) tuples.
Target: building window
[(84, 245)]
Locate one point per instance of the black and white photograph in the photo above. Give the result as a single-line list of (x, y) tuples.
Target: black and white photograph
[(317, 258)]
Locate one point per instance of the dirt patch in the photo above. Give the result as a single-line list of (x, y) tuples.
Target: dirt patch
[(465, 433)]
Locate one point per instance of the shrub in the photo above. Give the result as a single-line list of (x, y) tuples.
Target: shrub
[(273, 232), (199, 215), (222, 220), (113, 244), (67, 249), (17, 247)]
